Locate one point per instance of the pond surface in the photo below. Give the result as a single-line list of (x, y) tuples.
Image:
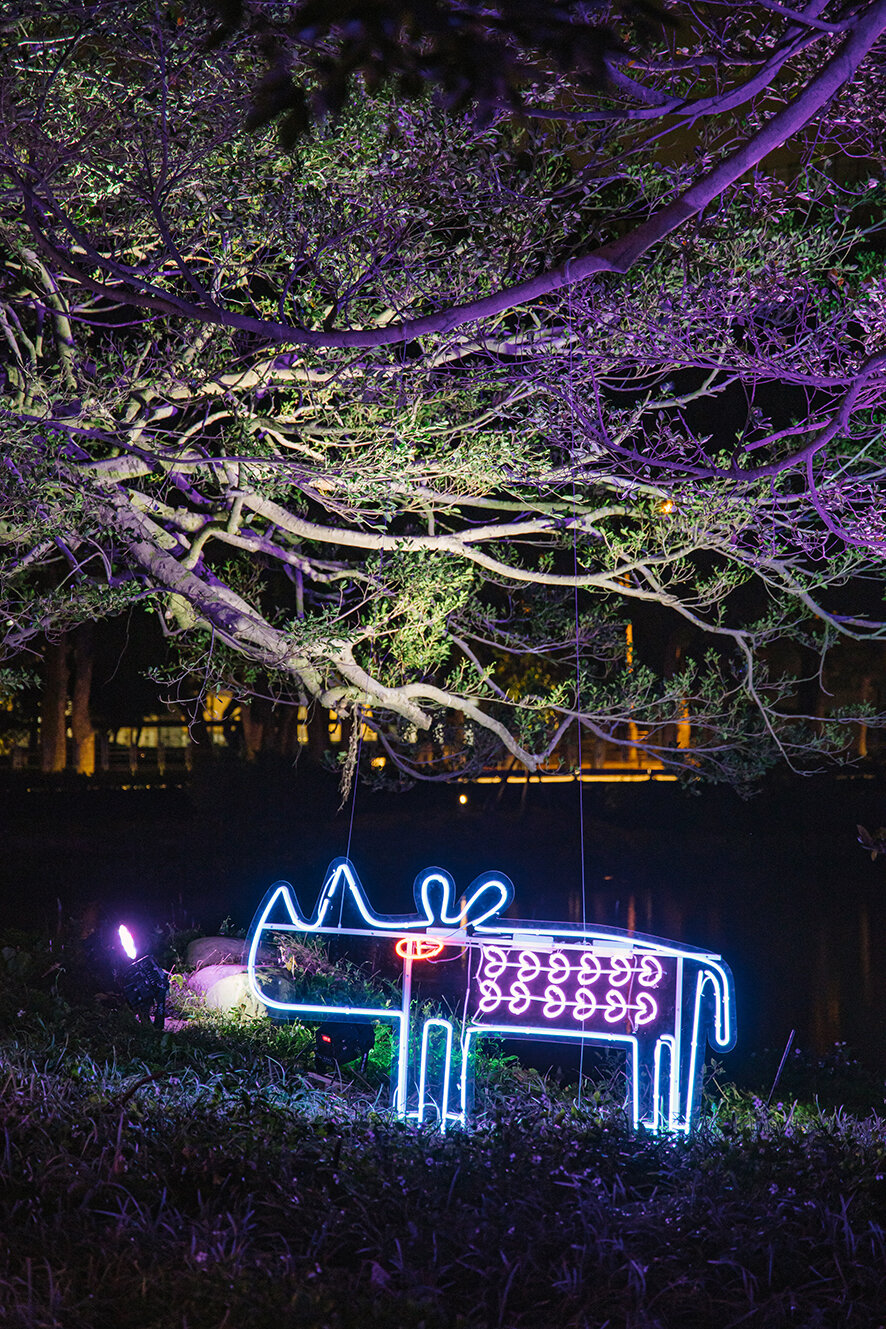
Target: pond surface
[(777, 884)]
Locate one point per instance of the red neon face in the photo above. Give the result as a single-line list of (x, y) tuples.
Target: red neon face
[(418, 948)]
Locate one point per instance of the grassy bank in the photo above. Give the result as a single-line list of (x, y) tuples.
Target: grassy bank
[(208, 1177)]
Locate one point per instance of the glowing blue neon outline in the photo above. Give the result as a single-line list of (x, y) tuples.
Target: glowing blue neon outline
[(450, 914), (434, 1022), (664, 1043), (509, 935), (721, 1027), (473, 1031)]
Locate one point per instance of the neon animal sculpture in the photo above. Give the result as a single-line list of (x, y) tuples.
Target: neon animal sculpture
[(656, 1001)]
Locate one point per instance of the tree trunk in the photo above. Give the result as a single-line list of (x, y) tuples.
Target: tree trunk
[(318, 732), (81, 721), (252, 729), (53, 723)]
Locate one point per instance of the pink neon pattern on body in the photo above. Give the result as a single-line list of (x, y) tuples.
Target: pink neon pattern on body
[(575, 987)]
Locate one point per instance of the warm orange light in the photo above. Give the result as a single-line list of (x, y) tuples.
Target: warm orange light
[(418, 948), (667, 507), (462, 798)]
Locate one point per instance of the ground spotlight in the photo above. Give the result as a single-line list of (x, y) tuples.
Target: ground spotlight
[(145, 985)]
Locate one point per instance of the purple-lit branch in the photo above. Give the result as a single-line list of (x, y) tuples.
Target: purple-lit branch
[(616, 257), (527, 402)]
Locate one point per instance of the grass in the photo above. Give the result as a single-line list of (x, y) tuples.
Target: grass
[(207, 1178)]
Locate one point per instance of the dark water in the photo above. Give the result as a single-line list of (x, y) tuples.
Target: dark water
[(777, 884)]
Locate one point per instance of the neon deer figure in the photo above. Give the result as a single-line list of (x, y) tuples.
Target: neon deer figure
[(657, 1001)]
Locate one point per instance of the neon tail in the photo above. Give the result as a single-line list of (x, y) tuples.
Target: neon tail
[(658, 1002)]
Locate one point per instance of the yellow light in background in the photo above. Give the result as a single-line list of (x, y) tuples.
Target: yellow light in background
[(462, 798), (667, 507), (367, 733), (214, 706)]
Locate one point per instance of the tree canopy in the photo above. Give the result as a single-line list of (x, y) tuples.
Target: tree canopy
[(414, 420)]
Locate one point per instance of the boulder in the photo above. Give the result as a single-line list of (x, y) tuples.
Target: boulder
[(225, 987), (223, 950)]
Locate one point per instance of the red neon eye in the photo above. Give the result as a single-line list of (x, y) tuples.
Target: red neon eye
[(418, 948)]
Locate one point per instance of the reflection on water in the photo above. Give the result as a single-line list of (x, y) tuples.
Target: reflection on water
[(826, 992), (864, 950), (806, 967), (638, 914)]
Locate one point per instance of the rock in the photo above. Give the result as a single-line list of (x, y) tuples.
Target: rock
[(223, 950), (225, 987)]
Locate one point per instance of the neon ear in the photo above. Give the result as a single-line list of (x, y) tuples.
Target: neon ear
[(486, 898)]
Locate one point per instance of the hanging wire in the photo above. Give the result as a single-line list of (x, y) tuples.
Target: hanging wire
[(581, 818), (358, 719)]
